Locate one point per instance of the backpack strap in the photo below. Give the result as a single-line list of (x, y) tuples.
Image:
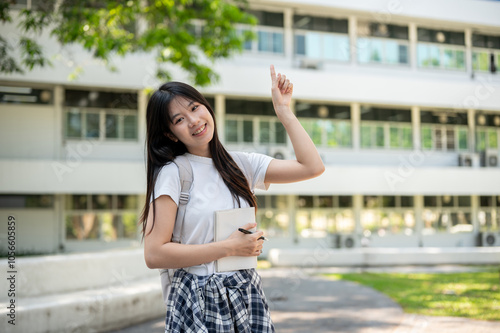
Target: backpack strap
[(186, 179)]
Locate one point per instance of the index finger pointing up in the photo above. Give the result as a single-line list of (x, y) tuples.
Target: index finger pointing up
[(273, 73)]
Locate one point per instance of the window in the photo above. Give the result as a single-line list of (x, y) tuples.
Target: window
[(440, 49), (25, 95), (26, 201), (447, 213), (273, 216), (319, 216), (382, 44), (487, 131), (485, 53), (445, 131), (382, 215), (100, 115), (489, 213), (321, 38), (253, 122), (102, 217), (385, 128), (327, 125), (269, 33)]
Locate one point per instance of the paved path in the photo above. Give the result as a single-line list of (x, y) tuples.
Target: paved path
[(303, 303)]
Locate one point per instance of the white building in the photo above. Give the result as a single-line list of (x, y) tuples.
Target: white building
[(402, 98)]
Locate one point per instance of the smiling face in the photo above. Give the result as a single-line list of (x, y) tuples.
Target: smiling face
[(192, 124)]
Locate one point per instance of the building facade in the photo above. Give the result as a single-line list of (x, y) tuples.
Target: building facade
[(402, 99)]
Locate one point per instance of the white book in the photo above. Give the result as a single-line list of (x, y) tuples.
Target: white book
[(225, 223)]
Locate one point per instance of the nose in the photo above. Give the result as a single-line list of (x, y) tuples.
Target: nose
[(193, 120)]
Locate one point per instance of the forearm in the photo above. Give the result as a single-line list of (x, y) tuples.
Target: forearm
[(175, 255), (305, 150)]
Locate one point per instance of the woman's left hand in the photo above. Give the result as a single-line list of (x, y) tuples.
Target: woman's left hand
[(281, 90)]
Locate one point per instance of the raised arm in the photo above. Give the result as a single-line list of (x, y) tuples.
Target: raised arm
[(308, 163)]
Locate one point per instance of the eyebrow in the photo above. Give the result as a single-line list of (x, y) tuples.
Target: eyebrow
[(177, 114)]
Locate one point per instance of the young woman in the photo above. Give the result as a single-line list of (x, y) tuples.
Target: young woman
[(180, 121)]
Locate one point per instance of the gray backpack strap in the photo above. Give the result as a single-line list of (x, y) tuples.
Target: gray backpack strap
[(244, 164), (186, 178)]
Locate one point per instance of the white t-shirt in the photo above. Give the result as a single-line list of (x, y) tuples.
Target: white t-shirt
[(208, 194)]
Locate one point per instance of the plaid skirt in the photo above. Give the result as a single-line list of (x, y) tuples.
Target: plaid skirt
[(217, 303)]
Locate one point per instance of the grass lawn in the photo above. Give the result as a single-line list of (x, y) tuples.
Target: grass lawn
[(473, 295)]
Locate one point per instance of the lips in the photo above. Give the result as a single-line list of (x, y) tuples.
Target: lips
[(200, 130)]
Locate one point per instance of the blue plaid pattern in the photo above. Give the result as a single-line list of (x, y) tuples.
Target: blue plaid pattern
[(217, 303)]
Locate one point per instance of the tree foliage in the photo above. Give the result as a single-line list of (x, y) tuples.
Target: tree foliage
[(191, 34)]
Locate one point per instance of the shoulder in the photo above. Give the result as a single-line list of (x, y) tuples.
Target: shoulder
[(254, 159), (170, 170)]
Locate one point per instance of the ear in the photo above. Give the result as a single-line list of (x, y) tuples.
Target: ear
[(171, 137)]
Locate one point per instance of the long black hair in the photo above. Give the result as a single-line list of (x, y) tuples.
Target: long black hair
[(161, 150)]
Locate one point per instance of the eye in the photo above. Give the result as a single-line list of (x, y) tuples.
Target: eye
[(194, 107), (178, 120)]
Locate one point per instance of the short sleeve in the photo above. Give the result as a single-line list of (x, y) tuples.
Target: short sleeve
[(168, 183), (259, 163)]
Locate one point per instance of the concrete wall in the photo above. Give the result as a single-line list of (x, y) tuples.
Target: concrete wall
[(28, 131), (90, 292), (37, 230), (322, 256)]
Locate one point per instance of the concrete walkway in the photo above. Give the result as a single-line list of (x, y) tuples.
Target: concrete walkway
[(302, 302)]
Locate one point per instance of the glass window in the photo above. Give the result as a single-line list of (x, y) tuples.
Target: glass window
[(323, 123), (112, 126), (264, 132), (375, 50), (272, 216), (100, 99), (26, 201), (101, 201), (247, 131), (316, 23), (108, 218), (447, 213), (316, 45), (441, 49), (487, 131), (73, 124), (231, 130), (383, 215), (92, 125), (101, 115), (25, 95), (130, 127)]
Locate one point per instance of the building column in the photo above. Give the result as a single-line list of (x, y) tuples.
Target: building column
[(471, 124), (474, 203), (142, 104), (288, 34), (59, 119), (357, 206), (413, 40), (60, 207), (468, 51), (292, 199), (418, 204), (415, 126), (220, 116), (356, 126), (353, 31)]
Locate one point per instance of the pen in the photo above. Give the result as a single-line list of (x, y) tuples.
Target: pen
[(249, 232)]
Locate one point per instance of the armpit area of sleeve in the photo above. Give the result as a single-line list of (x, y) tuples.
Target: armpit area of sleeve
[(260, 174)]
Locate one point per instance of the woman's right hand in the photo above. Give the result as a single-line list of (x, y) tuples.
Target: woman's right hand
[(246, 244)]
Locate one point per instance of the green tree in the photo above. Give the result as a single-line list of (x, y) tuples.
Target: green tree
[(191, 34)]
